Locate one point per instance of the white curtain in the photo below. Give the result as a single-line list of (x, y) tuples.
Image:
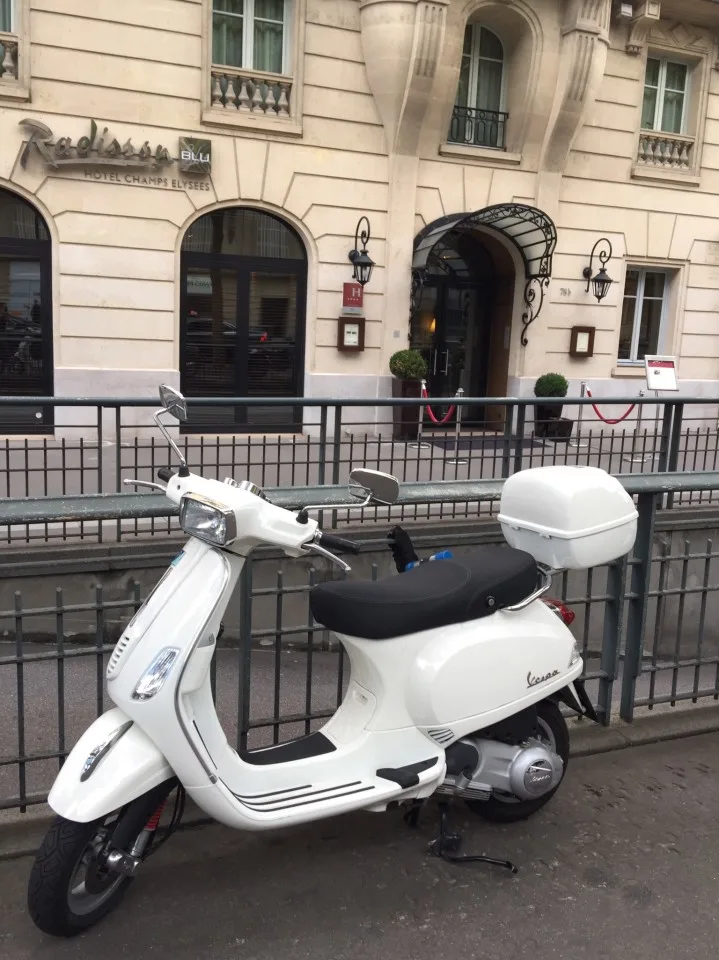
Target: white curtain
[(489, 85), (268, 37), (228, 22)]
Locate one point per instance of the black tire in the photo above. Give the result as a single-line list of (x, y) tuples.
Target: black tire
[(53, 901), (553, 727)]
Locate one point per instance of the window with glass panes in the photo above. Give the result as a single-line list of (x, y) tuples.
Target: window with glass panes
[(480, 78), (6, 21), (477, 117), (666, 89), (643, 311), (250, 34)]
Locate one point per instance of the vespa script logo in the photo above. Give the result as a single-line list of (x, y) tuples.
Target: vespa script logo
[(533, 681)]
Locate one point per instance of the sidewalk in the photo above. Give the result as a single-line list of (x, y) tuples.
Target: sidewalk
[(623, 862)]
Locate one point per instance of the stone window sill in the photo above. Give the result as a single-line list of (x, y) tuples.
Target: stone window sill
[(10, 90), (221, 117), (641, 171), (490, 154)]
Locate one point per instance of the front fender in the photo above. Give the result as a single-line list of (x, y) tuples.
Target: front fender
[(125, 768)]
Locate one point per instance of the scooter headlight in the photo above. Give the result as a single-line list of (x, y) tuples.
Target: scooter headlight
[(153, 678), (207, 520)]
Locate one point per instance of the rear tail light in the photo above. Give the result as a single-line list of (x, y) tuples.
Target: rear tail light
[(562, 611)]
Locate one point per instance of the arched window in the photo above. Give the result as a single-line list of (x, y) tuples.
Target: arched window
[(26, 365), (242, 331), (479, 118)]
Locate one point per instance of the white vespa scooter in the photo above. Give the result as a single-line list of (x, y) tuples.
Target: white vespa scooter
[(457, 670)]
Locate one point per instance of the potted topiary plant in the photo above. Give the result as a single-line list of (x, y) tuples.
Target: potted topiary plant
[(407, 367), (548, 420)]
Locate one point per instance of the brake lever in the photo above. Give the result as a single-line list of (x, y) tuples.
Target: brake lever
[(346, 568), (145, 483)]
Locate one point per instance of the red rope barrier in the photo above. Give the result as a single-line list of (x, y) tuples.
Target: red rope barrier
[(430, 412), (610, 422)]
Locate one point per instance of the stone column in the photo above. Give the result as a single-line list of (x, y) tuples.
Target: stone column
[(402, 42), (583, 58)]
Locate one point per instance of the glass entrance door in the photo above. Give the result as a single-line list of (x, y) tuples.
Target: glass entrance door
[(240, 338), (450, 332), (25, 340), (26, 357)]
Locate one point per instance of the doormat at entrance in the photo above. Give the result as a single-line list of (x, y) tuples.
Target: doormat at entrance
[(483, 443)]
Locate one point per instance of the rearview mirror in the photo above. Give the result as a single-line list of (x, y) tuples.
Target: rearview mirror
[(381, 487), (173, 401)]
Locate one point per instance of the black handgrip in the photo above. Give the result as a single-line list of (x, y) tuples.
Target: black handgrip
[(337, 543), (164, 473)]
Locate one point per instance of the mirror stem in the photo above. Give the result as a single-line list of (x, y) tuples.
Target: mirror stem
[(184, 470)]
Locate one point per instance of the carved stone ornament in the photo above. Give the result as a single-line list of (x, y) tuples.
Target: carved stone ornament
[(682, 36), (585, 40), (647, 15)]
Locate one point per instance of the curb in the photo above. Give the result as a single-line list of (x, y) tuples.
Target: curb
[(588, 739), (22, 834)]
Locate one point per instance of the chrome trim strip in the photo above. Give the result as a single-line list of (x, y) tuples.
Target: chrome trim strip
[(100, 752)]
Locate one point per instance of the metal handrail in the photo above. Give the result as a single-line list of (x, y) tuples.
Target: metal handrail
[(130, 506), (329, 402)]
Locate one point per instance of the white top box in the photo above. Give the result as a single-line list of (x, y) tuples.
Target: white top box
[(568, 518)]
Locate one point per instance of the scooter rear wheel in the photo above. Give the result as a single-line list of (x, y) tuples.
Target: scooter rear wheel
[(510, 809), (70, 887)]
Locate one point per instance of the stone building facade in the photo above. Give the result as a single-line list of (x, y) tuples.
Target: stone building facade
[(180, 182)]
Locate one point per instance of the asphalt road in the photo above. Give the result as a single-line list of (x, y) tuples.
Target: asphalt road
[(624, 862)]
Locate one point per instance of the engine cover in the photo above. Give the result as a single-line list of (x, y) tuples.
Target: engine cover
[(527, 771), (535, 771)]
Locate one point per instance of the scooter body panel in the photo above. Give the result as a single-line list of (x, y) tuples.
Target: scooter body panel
[(436, 679), (112, 763)]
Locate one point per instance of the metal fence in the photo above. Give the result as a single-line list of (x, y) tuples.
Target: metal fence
[(646, 625), (99, 443)]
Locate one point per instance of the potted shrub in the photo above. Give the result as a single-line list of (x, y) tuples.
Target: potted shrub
[(548, 420), (407, 367)]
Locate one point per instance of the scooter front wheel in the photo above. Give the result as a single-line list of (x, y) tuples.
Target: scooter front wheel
[(71, 886)]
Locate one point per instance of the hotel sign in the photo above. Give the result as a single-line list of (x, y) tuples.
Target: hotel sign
[(102, 150)]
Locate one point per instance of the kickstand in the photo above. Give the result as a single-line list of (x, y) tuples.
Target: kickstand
[(411, 817), (447, 844)]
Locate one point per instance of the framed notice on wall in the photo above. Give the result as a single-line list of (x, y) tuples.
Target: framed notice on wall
[(661, 373), (350, 334)]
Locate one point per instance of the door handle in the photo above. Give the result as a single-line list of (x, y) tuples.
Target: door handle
[(434, 361), (446, 362)]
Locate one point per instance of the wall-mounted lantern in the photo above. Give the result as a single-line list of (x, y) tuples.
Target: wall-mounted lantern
[(360, 259), (601, 282)]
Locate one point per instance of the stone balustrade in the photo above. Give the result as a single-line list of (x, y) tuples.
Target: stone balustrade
[(251, 92), (8, 57), (669, 150)]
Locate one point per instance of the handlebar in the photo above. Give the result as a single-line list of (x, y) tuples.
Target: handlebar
[(330, 542), (165, 474)]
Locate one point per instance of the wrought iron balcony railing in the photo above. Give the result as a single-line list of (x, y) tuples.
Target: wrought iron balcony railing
[(478, 128)]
